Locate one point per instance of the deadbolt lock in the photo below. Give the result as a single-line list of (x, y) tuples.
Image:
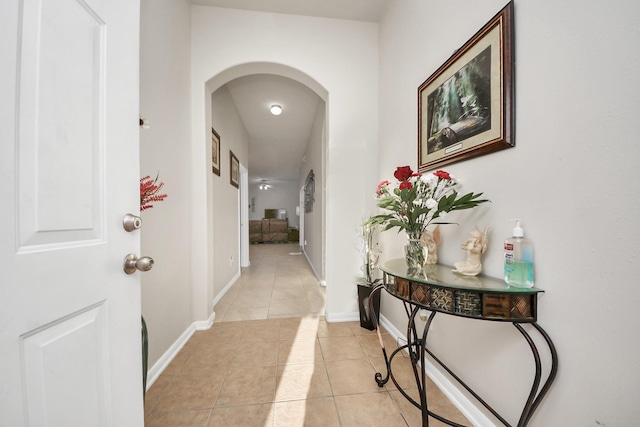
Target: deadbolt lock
[(131, 222)]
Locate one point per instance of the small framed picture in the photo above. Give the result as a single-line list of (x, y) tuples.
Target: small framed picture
[(235, 169), (215, 152)]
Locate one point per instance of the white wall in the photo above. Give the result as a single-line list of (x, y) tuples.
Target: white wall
[(225, 214), (336, 58), (572, 178), (164, 149), (314, 159)]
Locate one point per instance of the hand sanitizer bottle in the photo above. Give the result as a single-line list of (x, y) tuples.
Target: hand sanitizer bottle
[(518, 259)]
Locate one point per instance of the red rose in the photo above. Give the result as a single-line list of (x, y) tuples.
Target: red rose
[(405, 184), (442, 174), (403, 173)]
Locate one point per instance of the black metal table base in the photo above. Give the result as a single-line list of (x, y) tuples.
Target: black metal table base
[(416, 348)]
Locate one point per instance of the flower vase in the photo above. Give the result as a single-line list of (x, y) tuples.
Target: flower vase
[(416, 254)]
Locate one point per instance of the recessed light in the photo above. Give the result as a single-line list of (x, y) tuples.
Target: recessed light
[(276, 110)]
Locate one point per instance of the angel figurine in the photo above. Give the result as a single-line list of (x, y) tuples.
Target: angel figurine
[(431, 240), (475, 245)]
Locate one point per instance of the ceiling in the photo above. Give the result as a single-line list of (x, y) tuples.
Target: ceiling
[(277, 143), (357, 10)]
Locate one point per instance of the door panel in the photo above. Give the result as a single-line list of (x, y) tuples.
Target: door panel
[(70, 347), (61, 97), (53, 375)]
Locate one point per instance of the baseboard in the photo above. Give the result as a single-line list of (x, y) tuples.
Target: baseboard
[(226, 288), (158, 368), (203, 325), (468, 408), (320, 280), (199, 325), (342, 317)]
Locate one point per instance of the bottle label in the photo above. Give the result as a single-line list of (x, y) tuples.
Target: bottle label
[(508, 246)]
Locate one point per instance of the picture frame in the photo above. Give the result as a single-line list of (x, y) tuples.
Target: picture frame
[(466, 107), (309, 191), (234, 170), (215, 152)]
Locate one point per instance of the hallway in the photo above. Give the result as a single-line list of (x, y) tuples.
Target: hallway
[(278, 283), (271, 359)]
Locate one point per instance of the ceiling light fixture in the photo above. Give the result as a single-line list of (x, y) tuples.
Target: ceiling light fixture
[(264, 185), (276, 110)]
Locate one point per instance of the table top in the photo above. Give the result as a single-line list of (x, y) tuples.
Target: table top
[(443, 276)]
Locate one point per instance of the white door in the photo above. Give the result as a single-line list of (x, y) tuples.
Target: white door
[(70, 352)]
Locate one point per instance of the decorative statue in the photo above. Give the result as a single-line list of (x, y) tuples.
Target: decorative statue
[(431, 240), (475, 245)]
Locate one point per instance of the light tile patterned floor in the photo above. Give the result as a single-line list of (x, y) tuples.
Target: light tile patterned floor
[(280, 364)]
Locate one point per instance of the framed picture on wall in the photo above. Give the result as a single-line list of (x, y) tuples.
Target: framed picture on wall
[(215, 152), (235, 169), (466, 107), (309, 190)]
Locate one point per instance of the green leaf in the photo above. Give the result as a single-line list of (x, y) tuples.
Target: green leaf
[(469, 201)]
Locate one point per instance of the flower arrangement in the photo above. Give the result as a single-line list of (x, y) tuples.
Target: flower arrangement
[(149, 189), (419, 200)]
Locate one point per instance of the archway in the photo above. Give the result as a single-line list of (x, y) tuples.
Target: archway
[(215, 289)]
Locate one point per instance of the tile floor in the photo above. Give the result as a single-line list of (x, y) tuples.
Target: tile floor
[(271, 359)]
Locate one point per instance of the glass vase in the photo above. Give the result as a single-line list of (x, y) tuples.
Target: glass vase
[(416, 254)]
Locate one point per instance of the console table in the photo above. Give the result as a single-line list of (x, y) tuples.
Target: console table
[(439, 290)]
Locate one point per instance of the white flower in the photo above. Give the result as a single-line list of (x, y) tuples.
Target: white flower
[(429, 179), (431, 203)]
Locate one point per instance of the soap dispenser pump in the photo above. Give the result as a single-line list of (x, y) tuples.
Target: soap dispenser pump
[(518, 259)]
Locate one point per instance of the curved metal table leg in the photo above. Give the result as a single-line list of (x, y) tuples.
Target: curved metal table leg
[(374, 317), (536, 394), (416, 347)]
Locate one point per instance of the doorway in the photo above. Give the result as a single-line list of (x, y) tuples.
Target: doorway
[(249, 172)]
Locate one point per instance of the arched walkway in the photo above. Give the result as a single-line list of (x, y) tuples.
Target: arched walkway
[(315, 233)]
